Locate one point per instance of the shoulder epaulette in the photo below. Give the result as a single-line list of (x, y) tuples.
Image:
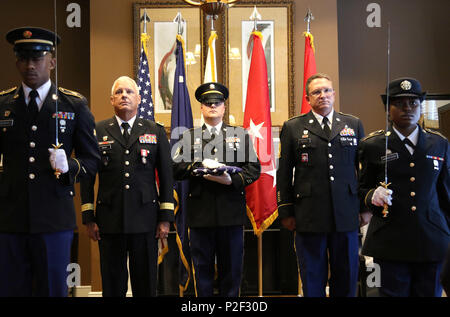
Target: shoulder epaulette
[(348, 115), (300, 115), (160, 123), (371, 135), (435, 132), (70, 92), (8, 91)]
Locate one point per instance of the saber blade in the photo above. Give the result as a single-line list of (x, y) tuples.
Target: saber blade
[(385, 184), (57, 145)]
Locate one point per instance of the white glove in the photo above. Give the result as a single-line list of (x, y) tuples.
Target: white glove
[(224, 179), (208, 163), (58, 160), (382, 196)]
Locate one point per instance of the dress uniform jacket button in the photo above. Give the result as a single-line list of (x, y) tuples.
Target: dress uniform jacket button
[(71, 193), (331, 178), (413, 208), (32, 145), (127, 152), (330, 155), (331, 167), (127, 174), (411, 164), (413, 194), (412, 179), (127, 163), (31, 159), (32, 176), (127, 186), (33, 128), (329, 144)]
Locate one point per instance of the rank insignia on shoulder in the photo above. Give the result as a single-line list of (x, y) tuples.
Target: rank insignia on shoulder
[(7, 91), (372, 134), (435, 132), (70, 92)]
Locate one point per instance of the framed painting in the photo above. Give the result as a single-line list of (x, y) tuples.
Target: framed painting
[(162, 31), (276, 28), (435, 112)]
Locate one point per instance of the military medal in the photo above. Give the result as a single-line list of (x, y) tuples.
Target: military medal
[(62, 125), (304, 157), (148, 139), (144, 154)]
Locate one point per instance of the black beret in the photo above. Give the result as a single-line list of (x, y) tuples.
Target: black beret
[(32, 41), (211, 93), (404, 87)]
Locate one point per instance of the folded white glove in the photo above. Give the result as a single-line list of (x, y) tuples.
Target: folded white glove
[(208, 163), (382, 196), (58, 160), (224, 179)]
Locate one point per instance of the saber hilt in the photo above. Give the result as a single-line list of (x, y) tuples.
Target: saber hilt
[(58, 172), (385, 211)]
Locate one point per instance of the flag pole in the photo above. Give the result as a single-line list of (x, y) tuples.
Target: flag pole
[(260, 274), (255, 17), (179, 20)]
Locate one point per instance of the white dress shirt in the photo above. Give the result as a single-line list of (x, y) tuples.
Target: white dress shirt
[(42, 92)]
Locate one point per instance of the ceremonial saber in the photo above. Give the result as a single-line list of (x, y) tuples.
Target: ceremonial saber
[(57, 145), (385, 184)]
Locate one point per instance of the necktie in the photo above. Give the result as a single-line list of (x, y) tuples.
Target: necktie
[(213, 136), (326, 128), (32, 105), (409, 142), (125, 127), (213, 132)]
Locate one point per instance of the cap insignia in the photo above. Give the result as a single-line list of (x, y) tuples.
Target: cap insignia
[(27, 34), (211, 86), (405, 85)]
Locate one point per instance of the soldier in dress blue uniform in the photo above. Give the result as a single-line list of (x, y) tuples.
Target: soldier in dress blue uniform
[(37, 216), (321, 204), (131, 215), (409, 242), (216, 207)]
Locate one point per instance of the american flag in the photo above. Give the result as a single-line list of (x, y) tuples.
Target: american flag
[(145, 110)]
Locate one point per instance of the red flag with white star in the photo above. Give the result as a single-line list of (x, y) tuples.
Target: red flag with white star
[(261, 195), (309, 68)]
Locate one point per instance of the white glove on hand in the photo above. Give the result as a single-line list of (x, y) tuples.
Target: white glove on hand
[(208, 163), (58, 160), (382, 196), (224, 179)]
